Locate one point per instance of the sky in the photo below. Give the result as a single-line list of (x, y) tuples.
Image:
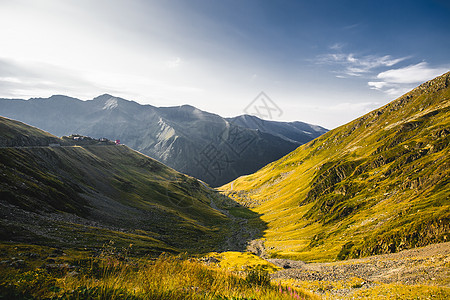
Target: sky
[(321, 62)]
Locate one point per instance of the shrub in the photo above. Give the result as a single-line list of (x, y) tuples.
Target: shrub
[(258, 277)]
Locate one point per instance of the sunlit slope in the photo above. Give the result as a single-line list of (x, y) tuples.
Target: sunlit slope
[(378, 184), (85, 196)]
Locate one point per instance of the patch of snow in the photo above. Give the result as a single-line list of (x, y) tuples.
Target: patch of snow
[(111, 103)]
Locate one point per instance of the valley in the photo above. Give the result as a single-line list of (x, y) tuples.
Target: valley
[(361, 211)]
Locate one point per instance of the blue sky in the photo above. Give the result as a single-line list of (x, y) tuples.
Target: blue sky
[(323, 62)]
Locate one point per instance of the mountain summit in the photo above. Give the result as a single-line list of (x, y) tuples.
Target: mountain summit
[(192, 141), (379, 184)]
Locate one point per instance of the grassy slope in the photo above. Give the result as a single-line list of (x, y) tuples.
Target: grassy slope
[(86, 196), (14, 133), (378, 184)]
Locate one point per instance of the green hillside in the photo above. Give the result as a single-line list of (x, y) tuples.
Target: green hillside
[(378, 184), (17, 134), (85, 196)]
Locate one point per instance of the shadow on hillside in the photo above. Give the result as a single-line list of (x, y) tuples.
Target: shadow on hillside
[(88, 197)]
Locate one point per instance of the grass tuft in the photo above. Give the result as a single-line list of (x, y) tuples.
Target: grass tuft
[(112, 274)]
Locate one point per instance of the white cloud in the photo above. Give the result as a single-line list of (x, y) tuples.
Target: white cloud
[(357, 66), (411, 74), (377, 84), (393, 82), (396, 82)]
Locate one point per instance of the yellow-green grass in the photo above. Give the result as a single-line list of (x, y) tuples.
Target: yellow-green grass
[(242, 261), (112, 274), (401, 291), (358, 288), (376, 185)]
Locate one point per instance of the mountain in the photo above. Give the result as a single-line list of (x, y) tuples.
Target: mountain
[(378, 184), (198, 143), (56, 193), (293, 131)]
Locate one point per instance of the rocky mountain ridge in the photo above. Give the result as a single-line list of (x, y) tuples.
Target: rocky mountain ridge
[(192, 141)]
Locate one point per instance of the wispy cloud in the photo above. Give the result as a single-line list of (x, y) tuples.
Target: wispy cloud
[(352, 26), (337, 46), (398, 81), (356, 66), (411, 74), (382, 72)]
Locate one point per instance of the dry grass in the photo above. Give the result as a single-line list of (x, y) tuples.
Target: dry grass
[(114, 275), (357, 288)]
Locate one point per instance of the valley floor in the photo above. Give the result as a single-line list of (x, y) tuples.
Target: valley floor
[(391, 274), (420, 273)]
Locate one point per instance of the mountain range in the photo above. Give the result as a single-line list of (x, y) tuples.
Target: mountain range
[(378, 184), (201, 144)]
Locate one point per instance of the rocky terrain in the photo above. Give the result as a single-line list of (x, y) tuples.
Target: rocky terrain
[(429, 265)]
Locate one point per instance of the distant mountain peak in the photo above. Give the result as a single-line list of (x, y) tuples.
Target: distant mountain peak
[(56, 98), (187, 106), (103, 97)]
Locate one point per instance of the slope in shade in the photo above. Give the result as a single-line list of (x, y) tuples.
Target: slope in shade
[(73, 196), (192, 141), (378, 184)]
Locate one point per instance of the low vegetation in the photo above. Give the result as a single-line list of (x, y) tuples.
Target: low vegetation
[(356, 288), (47, 273), (39, 272)]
